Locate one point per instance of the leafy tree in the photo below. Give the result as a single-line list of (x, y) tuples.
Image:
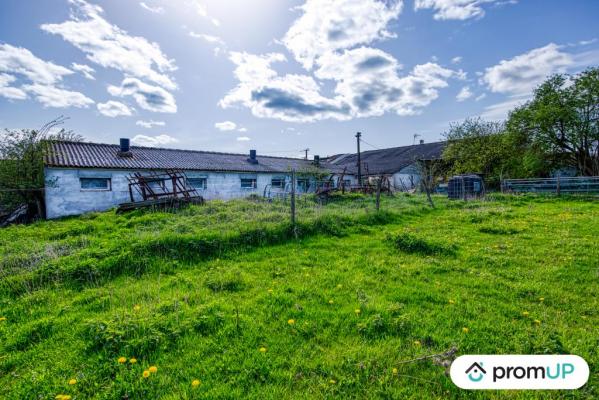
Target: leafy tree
[(562, 121), (22, 155)]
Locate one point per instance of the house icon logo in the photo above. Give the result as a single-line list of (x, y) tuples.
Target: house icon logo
[(476, 372)]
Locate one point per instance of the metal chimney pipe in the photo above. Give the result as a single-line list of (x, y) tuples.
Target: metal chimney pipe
[(125, 148), (317, 160)]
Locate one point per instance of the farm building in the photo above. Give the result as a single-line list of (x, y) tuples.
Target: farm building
[(397, 164), (83, 177)]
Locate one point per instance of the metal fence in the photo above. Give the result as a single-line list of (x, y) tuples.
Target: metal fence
[(559, 185)]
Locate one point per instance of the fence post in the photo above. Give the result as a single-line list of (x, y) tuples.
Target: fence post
[(557, 187), (293, 202), (378, 193)]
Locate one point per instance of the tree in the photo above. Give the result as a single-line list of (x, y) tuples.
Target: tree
[(562, 121), (22, 155)]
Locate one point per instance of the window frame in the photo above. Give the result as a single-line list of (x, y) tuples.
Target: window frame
[(254, 184), (108, 187), (202, 178), (281, 179)]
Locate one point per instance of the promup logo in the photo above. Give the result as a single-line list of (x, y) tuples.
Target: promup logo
[(476, 372), (519, 372)]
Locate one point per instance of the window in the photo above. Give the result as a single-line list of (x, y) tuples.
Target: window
[(95, 183), (278, 182), (303, 184), (347, 183), (249, 183), (198, 183)]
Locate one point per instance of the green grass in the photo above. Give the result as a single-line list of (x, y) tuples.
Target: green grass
[(200, 291)]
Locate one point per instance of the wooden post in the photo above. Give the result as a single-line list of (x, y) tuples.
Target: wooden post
[(557, 187), (379, 182), (293, 201)]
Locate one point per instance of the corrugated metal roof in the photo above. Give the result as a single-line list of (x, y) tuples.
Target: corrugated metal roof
[(95, 155), (388, 161)]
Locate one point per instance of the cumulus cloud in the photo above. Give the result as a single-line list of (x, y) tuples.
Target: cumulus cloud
[(149, 124), (154, 141), (8, 91), (111, 47), (521, 74), (464, 94), (85, 70), (45, 77), (114, 109), (458, 9), (225, 126), (327, 26), (148, 97), (53, 96), (155, 10)]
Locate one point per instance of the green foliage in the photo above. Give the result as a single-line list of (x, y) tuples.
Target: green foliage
[(136, 286)]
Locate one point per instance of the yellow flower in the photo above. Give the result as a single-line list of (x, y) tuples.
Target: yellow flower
[(417, 343), (525, 313), (2, 319), (133, 360), (270, 292), (73, 381), (538, 322), (122, 360), (332, 381), (136, 307), (146, 374), (331, 301), (541, 299), (451, 301), (291, 322), (339, 286), (195, 383), (153, 369), (394, 371), (262, 349), (357, 311), (465, 330)]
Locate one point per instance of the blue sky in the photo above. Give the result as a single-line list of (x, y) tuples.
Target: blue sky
[(280, 76)]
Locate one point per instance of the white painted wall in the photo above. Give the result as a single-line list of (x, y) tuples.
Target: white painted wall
[(64, 195), (407, 178)]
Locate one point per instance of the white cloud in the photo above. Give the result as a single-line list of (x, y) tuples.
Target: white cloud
[(155, 10), (111, 47), (225, 126), (480, 97), (114, 109), (500, 110), (327, 26), (458, 9), (456, 60), (587, 42), (10, 92), (20, 61), (85, 70), (52, 96), (242, 130), (218, 43), (464, 94), (148, 97), (154, 141), (521, 74), (200, 8), (149, 124), (243, 139)]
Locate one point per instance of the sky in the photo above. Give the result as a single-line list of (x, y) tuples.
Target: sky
[(281, 76)]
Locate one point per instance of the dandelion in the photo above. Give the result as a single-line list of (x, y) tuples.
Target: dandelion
[(525, 313), (122, 360), (262, 349), (357, 311), (2, 319), (73, 381), (394, 371), (465, 330), (136, 307), (291, 321), (146, 374), (331, 301), (195, 383), (153, 369), (332, 381), (417, 343), (451, 301), (538, 322), (133, 360), (541, 299)]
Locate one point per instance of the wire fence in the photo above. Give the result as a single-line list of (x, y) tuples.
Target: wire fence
[(558, 185)]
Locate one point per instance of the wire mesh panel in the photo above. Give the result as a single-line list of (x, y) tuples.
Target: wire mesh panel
[(559, 185)]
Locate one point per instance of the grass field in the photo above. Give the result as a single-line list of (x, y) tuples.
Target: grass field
[(226, 295)]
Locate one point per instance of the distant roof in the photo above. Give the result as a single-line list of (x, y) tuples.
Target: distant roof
[(388, 161), (95, 155)]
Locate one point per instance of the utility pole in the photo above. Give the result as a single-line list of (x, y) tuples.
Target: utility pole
[(306, 151), (358, 136)]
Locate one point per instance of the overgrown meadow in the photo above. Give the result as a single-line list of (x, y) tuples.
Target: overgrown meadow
[(228, 300)]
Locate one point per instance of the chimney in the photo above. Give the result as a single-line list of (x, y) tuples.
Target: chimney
[(125, 149), (421, 141), (253, 159), (317, 160)]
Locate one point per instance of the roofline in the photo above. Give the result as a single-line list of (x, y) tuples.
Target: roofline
[(182, 169), (400, 147)]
